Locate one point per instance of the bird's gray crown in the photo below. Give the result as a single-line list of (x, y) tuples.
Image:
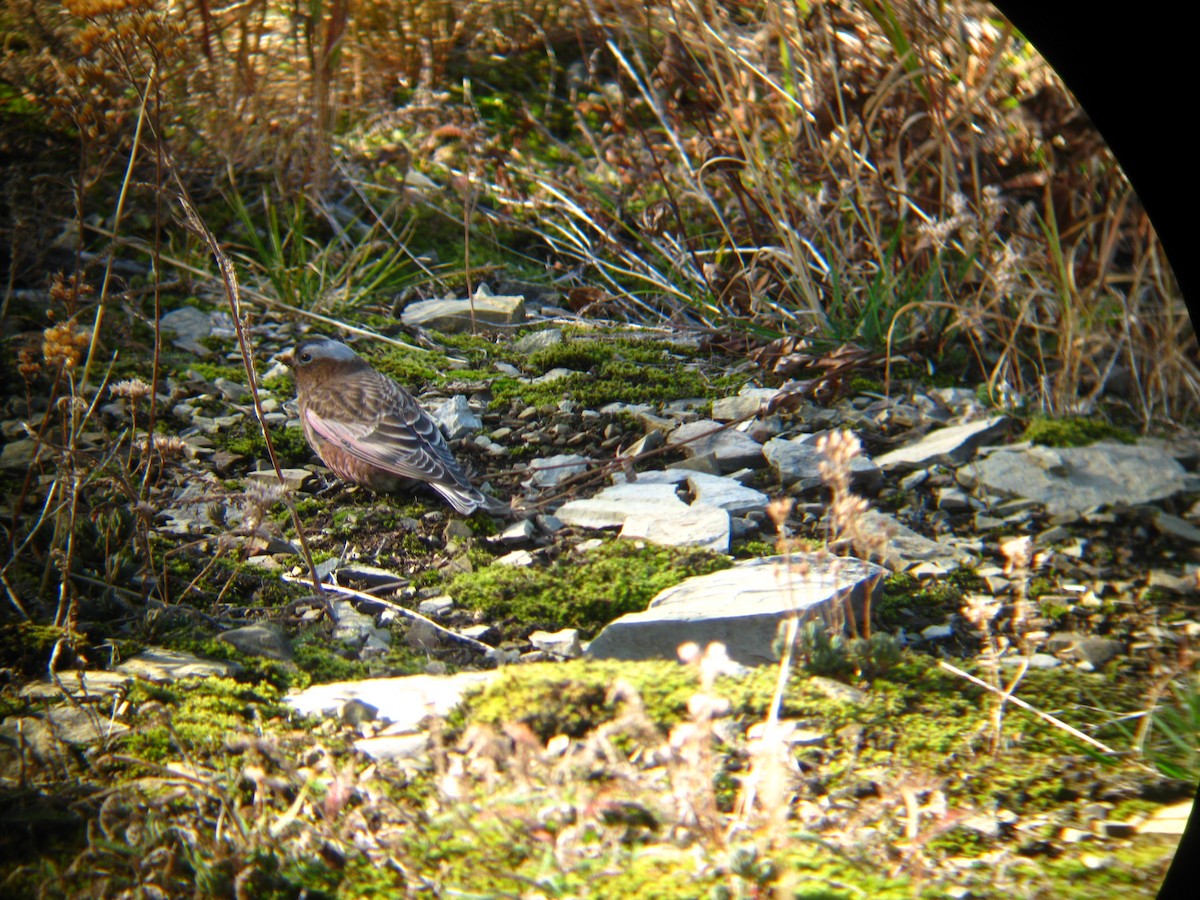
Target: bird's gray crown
[(325, 348)]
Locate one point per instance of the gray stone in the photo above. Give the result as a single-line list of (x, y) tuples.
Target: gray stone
[(797, 463), (43, 735), (732, 449), (553, 375), (651, 440), (515, 558), (613, 505), (161, 664), (1084, 647), (741, 607), (293, 479), (564, 644), (906, 547), (79, 684), (403, 702), (706, 527), (190, 326), (949, 446), (746, 403), (706, 464), (263, 639), (518, 532), (725, 493), (354, 628), (1176, 527), (652, 512), (455, 417), (232, 390), (482, 311), (538, 340), (1070, 480), (18, 456), (436, 606), (654, 476), (547, 472), (953, 499)]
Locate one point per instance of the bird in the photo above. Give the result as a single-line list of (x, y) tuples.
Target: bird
[(369, 430)]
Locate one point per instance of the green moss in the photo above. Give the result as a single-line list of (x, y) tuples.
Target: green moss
[(752, 549), (247, 440), (196, 716), (579, 355), (411, 369), (1074, 431), (902, 591), (213, 371), (586, 591)]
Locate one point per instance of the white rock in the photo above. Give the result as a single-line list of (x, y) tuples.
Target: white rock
[(516, 558), (706, 527), (456, 417), (740, 607), (450, 315), (563, 643), (549, 471), (725, 493), (1071, 480), (404, 702), (948, 446), (732, 449)]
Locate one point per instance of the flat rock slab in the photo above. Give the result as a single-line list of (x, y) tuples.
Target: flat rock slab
[(264, 639), (906, 548), (1070, 480), (732, 449), (293, 479), (189, 326), (705, 527), (549, 471), (161, 664), (746, 403), (44, 734), (79, 684), (402, 702), (613, 505), (797, 462), (950, 446), (741, 607), (452, 315), (651, 511), (724, 493)]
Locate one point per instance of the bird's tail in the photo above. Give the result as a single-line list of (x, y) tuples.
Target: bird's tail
[(466, 500)]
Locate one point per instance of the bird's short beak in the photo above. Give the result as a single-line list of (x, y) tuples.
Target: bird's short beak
[(287, 359)]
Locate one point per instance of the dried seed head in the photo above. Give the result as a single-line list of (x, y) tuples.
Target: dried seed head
[(64, 344), (132, 388)]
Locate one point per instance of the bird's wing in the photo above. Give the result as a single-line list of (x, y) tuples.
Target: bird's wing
[(389, 430)]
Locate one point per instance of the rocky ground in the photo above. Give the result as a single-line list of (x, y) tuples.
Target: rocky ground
[(640, 467)]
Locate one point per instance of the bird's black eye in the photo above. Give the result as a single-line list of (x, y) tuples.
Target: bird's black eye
[(306, 356)]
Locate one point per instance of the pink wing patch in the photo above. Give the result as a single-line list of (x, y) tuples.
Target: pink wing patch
[(349, 439)]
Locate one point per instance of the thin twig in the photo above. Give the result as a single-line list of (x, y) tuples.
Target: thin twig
[(454, 636), (1057, 723)]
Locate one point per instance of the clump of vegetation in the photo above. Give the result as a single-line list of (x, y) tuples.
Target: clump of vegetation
[(584, 592), (290, 444), (1074, 431)]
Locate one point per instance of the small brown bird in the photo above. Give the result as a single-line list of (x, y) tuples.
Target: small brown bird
[(370, 430)]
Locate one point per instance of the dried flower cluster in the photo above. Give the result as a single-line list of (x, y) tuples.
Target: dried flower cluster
[(64, 344)]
